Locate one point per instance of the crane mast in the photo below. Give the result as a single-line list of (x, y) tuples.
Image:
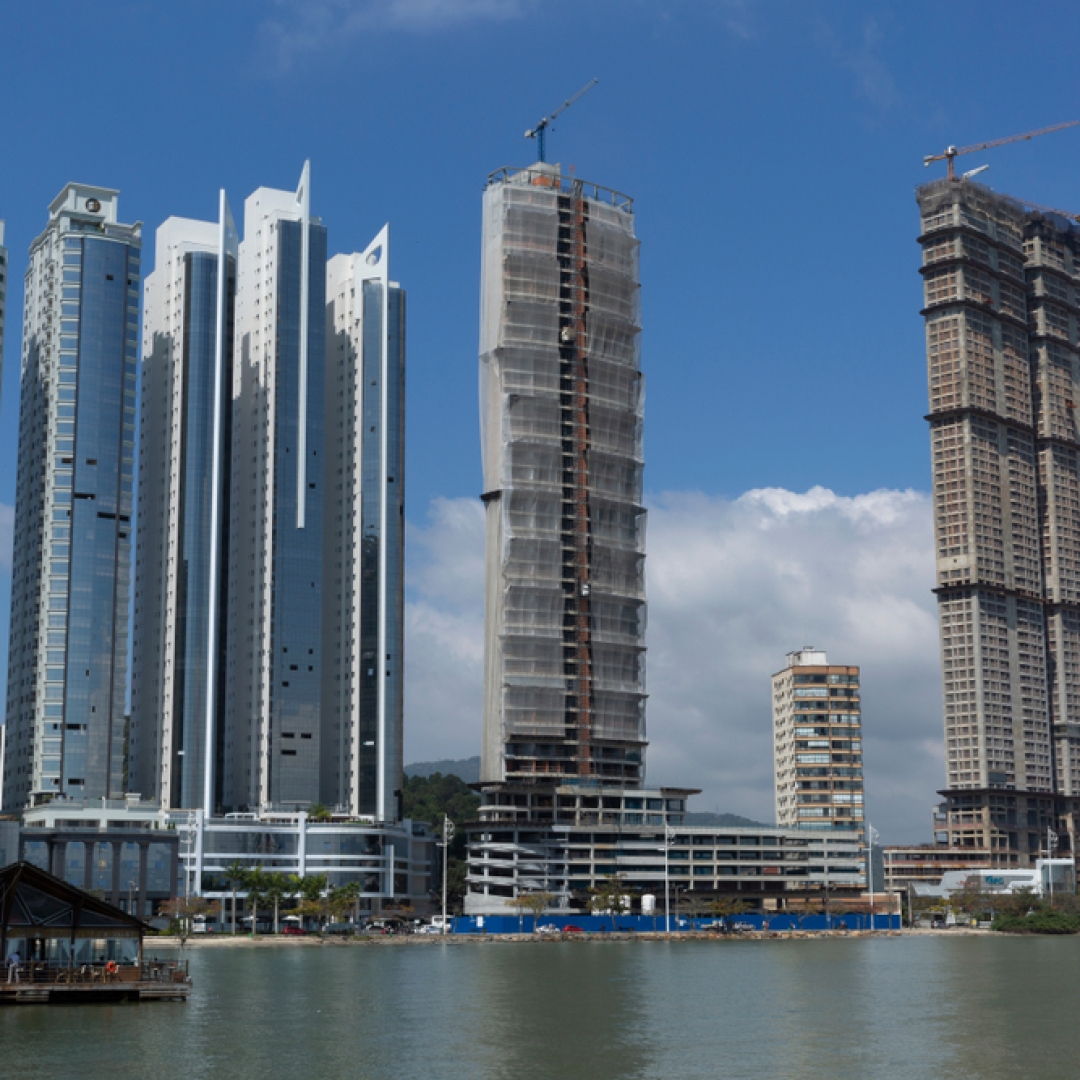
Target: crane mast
[(539, 132)]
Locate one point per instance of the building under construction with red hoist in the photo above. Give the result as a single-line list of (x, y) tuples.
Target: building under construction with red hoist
[(561, 414)]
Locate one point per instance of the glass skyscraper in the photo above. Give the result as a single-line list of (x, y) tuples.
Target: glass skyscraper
[(273, 711), (364, 534), (67, 667), (180, 581), (3, 303)]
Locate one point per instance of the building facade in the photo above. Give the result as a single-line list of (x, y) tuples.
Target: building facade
[(1002, 285), (561, 403), (273, 708), (817, 744), (4, 274), (565, 841), (364, 535), (179, 643), (67, 668)]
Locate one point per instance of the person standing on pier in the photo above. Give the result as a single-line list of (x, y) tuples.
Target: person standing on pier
[(13, 967)]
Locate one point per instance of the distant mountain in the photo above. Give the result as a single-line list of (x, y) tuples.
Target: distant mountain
[(467, 769), (733, 820)]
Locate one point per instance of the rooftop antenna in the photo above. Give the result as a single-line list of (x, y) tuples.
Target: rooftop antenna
[(952, 152), (538, 131)]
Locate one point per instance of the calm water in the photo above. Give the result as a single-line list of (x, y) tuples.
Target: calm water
[(933, 1007)]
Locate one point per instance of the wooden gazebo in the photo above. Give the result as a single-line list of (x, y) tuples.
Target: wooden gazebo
[(36, 907)]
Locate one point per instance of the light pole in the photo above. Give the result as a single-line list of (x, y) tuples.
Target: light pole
[(669, 839), (871, 835), (447, 836)]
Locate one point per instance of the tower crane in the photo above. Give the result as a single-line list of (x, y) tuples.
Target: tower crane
[(538, 131), (952, 152)]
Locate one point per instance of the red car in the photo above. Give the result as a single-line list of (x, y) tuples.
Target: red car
[(571, 929), (293, 931)]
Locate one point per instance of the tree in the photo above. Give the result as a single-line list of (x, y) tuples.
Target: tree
[(609, 896), (345, 897), (694, 904), (314, 903), (181, 910), (319, 812), (431, 798), (235, 876), (535, 903), (256, 881), (724, 906), (275, 889)]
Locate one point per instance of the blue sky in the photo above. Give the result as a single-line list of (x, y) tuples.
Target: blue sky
[(771, 148)]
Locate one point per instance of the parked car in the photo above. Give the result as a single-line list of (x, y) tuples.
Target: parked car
[(570, 928), (293, 931), (430, 928), (547, 928)]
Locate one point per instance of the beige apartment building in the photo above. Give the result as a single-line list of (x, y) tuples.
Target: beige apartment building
[(817, 744)]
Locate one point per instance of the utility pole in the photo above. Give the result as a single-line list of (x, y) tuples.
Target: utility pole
[(447, 836)]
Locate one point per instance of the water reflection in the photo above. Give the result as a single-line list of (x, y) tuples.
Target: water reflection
[(935, 1007)]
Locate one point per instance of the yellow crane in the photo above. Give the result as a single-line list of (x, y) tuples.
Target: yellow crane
[(952, 152)]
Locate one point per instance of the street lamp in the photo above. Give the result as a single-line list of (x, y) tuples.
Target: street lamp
[(669, 840), (448, 835)]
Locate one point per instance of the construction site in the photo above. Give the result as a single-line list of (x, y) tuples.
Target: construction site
[(1002, 309)]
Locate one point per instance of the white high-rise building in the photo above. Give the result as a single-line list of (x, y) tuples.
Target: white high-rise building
[(273, 709), (67, 665), (3, 299), (177, 677), (364, 534)]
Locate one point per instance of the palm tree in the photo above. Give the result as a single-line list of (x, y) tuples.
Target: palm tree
[(275, 889), (256, 882), (236, 876)]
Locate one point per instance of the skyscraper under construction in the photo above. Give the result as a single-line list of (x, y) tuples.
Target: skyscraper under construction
[(1002, 285), (561, 416)]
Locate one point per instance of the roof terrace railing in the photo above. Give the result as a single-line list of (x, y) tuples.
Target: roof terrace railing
[(567, 185)]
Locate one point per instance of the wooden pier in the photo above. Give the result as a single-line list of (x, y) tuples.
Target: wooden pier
[(155, 982)]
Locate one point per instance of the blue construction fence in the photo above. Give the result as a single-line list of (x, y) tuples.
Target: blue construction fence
[(640, 924)]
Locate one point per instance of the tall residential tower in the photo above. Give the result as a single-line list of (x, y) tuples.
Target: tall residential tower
[(817, 744), (1002, 293), (364, 534), (561, 416), (273, 711), (180, 581), (67, 668)]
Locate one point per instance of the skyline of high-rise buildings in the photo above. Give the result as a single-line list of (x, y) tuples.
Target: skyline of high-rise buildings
[(67, 662), (268, 615), (1002, 285)]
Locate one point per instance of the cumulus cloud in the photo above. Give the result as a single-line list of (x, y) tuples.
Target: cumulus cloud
[(304, 27), (733, 585)]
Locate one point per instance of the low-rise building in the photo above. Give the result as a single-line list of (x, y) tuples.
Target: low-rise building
[(1046, 876), (568, 839), (393, 862), (927, 863)]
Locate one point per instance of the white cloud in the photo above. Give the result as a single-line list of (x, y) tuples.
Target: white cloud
[(733, 586), (303, 27)]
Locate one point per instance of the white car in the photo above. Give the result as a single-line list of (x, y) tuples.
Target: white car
[(548, 928), (429, 928)]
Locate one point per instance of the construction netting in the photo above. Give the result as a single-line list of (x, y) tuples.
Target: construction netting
[(529, 426)]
